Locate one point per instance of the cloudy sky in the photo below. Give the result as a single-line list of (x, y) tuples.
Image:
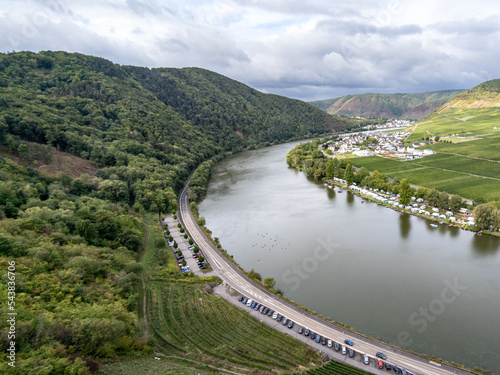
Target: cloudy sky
[(305, 49)]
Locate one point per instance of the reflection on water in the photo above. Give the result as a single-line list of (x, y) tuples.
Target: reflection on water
[(350, 198), (404, 225), (385, 267), (484, 245)]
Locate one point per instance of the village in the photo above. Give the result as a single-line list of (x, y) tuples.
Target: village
[(385, 144)]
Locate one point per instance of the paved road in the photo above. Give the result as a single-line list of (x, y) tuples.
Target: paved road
[(233, 276)]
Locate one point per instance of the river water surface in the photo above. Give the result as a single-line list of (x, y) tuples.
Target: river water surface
[(387, 274)]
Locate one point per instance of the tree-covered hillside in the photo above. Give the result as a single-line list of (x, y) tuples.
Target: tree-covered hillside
[(75, 242)]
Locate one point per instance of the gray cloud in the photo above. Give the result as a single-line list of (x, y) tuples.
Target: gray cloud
[(307, 50)]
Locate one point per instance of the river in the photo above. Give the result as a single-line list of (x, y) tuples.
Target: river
[(386, 274)]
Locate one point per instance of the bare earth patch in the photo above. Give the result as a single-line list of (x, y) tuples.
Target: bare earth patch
[(60, 162)]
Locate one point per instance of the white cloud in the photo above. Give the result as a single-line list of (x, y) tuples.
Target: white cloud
[(310, 50)]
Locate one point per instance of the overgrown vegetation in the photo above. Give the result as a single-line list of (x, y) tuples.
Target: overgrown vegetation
[(76, 269), (77, 240)]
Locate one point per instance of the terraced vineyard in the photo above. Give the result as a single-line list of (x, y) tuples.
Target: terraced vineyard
[(334, 368), (209, 329)]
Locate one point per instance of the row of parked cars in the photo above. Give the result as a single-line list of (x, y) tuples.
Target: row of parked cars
[(321, 339), (180, 258)]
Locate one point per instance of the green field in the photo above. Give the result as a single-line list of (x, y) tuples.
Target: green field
[(334, 368), (210, 329), (469, 178), (470, 168)]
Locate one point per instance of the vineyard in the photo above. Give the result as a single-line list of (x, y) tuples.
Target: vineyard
[(334, 368), (467, 177), (206, 327)]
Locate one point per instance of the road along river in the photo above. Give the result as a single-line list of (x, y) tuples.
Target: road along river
[(385, 273)]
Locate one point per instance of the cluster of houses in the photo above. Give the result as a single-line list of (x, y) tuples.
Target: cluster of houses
[(418, 205), (378, 143)]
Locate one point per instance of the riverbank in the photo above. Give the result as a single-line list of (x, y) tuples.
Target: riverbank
[(415, 209)]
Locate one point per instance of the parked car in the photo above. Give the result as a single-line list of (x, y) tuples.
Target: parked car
[(313, 335), (196, 256), (275, 315), (262, 308), (307, 332), (380, 364), (403, 371), (351, 353), (344, 350), (245, 300), (241, 298), (387, 366), (257, 306), (381, 355), (285, 321), (249, 302), (270, 313), (301, 330), (323, 340), (253, 305), (265, 311), (290, 324), (280, 318), (318, 338), (349, 342), (336, 346), (366, 360), (330, 343), (396, 369)]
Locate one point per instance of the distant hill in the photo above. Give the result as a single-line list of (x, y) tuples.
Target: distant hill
[(402, 106), (484, 95), (475, 112)]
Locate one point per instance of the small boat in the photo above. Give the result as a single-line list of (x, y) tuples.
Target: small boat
[(434, 225)]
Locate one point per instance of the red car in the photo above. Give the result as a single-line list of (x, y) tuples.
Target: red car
[(380, 364), (195, 256)]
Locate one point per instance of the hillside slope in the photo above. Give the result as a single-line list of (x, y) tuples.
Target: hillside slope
[(76, 239), (402, 106), (466, 159)]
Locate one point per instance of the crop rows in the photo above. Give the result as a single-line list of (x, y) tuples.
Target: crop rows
[(427, 172), (335, 368), (201, 324)]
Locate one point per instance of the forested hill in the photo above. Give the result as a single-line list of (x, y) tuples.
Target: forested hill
[(402, 106), (75, 241), (102, 98)]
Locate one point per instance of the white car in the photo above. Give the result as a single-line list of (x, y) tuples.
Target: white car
[(275, 315), (330, 343), (344, 350)]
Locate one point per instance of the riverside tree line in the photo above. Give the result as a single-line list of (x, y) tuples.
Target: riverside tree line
[(309, 158)]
